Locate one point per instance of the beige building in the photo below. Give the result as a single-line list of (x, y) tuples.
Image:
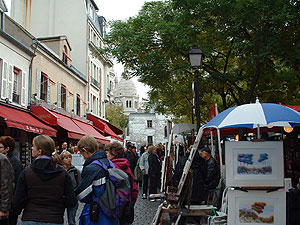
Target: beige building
[(54, 82), (84, 30)]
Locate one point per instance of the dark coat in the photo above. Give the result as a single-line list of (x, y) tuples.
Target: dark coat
[(44, 191), (293, 207), (132, 158), (154, 165), (213, 174), (199, 174), (6, 181), (75, 175), (17, 166)]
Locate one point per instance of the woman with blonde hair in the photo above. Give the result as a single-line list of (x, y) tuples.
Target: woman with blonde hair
[(66, 159), (43, 190)]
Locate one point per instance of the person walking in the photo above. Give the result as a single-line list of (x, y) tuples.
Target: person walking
[(7, 147), (144, 166), (154, 170), (131, 155), (115, 153), (6, 188), (92, 184), (43, 189), (66, 158)]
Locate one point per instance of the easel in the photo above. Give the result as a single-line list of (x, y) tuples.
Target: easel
[(174, 199)]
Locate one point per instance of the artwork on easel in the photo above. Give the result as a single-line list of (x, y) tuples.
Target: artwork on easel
[(256, 208), (253, 164)]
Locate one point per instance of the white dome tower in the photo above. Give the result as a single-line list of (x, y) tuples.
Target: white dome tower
[(126, 95)]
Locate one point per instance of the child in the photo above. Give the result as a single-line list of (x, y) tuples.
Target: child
[(66, 158)]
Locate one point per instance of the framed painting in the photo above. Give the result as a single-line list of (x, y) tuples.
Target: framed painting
[(256, 208), (254, 164)]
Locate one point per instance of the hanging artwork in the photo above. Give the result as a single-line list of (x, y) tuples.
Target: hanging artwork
[(254, 164), (256, 208)]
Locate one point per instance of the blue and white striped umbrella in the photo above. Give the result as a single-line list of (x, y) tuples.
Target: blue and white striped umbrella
[(256, 115)]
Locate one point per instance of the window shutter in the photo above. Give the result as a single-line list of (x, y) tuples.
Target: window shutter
[(10, 82), (58, 94), (4, 79), (75, 103), (67, 100), (38, 84), (48, 91), (23, 91)]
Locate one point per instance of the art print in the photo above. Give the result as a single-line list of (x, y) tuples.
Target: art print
[(254, 163), (256, 208)]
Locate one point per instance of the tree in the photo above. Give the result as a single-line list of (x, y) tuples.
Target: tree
[(251, 48), (115, 115)]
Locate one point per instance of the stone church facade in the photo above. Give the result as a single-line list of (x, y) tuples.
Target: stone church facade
[(143, 128)]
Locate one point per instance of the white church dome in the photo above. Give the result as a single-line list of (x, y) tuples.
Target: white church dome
[(125, 88)]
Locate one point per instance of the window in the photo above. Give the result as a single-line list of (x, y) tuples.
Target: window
[(150, 140), (63, 97), (44, 87), (129, 104), (166, 131), (78, 105), (149, 123), (17, 85)]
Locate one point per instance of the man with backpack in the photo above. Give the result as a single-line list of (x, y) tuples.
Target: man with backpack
[(92, 185)]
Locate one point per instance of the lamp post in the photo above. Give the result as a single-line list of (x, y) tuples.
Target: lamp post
[(196, 56)]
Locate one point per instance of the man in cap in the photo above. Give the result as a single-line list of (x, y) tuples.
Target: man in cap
[(213, 173)]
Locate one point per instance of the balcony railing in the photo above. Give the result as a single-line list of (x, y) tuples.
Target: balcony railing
[(95, 82)]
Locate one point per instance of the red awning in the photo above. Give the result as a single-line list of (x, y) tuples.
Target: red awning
[(76, 129), (89, 129), (25, 121), (103, 126)]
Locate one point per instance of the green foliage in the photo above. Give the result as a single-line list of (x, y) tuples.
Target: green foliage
[(251, 48), (115, 115)]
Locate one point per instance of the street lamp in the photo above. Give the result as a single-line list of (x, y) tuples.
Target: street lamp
[(196, 56)]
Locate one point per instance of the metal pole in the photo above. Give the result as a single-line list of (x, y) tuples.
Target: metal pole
[(197, 105)]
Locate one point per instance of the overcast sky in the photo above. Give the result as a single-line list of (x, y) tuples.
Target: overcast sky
[(118, 10)]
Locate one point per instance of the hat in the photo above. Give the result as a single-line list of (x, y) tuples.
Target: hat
[(206, 149)]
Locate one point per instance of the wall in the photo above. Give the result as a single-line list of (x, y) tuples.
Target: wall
[(55, 18), (138, 131)]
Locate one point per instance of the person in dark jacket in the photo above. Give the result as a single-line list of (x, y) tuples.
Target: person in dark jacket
[(43, 190), (131, 155), (213, 173), (92, 184), (6, 188), (115, 153), (9, 147), (154, 170), (66, 158)]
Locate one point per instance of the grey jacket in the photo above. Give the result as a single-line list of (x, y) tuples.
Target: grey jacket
[(6, 183), (144, 163)]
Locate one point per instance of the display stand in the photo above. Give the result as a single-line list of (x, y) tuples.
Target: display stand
[(174, 202)]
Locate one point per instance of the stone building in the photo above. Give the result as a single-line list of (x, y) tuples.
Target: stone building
[(143, 128), (147, 128)]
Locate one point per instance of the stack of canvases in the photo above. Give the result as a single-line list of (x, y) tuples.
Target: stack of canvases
[(255, 175)]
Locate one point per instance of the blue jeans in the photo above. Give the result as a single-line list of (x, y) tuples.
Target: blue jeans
[(39, 223), (71, 212)]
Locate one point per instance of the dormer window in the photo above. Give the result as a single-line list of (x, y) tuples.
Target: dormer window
[(66, 56)]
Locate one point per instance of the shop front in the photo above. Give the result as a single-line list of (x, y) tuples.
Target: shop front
[(68, 128), (20, 124)]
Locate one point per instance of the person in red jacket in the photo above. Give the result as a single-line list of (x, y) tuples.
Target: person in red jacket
[(115, 153)]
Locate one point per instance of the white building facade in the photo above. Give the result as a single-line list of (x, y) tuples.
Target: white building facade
[(147, 128)]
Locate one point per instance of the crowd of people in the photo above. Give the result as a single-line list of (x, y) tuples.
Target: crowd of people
[(51, 185)]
